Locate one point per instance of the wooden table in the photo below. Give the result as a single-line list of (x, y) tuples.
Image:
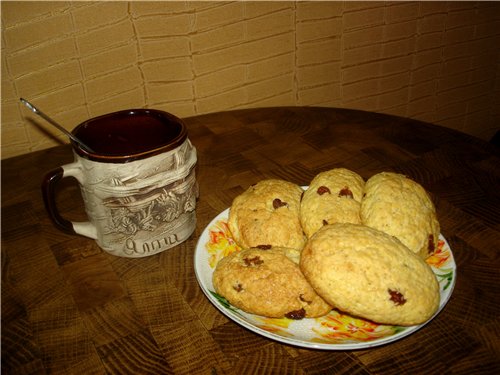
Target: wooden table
[(69, 307)]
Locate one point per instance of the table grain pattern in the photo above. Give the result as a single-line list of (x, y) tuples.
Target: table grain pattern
[(70, 308)]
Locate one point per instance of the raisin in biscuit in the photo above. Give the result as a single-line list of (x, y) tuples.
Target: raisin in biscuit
[(267, 283), (267, 215), (370, 274), (401, 207), (333, 196)]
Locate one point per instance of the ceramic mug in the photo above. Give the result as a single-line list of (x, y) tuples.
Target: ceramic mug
[(138, 185)]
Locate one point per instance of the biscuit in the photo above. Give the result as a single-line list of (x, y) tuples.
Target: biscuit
[(267, 215), (370, 274), (292, 254), (402, 208), (333, 196), (267, 283)]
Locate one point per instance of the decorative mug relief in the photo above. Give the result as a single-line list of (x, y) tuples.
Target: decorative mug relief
[(159, 214), (146, 206), (145, 212)]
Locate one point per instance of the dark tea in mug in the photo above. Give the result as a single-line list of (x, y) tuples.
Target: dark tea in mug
[(131, 133)]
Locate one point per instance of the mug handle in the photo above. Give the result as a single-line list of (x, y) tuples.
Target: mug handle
[(49, 183)]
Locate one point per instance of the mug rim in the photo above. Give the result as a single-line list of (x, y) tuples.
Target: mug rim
[(171, 145)]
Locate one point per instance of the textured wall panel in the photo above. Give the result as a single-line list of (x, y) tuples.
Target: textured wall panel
[(99, 40), (49, 79), (108, 61), (434, 61), (33, 33), (99, 14), (30, 60)]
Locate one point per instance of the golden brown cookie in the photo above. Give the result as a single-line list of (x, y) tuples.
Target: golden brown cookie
[(402, 208), (333, 196), (267, 283), (267, 215), (292, 254), (370, 274)]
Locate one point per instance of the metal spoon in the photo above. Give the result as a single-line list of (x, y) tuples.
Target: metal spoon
[(49, 120)]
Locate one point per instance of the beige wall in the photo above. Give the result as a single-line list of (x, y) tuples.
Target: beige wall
[(434, 61)]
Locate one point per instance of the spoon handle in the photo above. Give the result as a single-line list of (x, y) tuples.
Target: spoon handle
[(49, 120)]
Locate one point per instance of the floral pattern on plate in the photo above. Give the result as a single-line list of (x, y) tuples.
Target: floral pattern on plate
[(335, 331)]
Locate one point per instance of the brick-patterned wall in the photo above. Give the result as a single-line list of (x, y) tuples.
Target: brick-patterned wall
[(434, 61)]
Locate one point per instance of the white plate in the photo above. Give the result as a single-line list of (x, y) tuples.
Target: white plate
[(334, 331)]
